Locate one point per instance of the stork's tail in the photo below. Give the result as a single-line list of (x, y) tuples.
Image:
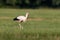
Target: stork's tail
[(15, 19)]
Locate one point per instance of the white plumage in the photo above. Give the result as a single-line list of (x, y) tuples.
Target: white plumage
[(21, 19)]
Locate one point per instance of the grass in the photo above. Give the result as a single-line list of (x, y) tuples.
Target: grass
[(46, 29)]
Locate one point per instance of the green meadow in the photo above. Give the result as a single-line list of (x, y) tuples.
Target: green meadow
[(42, 24)]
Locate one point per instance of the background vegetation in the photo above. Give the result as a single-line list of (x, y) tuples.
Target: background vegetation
[(30, 3)]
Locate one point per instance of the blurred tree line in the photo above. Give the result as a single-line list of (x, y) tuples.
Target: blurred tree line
[(29, 3)]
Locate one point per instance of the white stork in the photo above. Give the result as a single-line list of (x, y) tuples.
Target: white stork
[(21, 19)]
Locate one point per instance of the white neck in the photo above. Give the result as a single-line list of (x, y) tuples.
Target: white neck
[(27, 15)]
